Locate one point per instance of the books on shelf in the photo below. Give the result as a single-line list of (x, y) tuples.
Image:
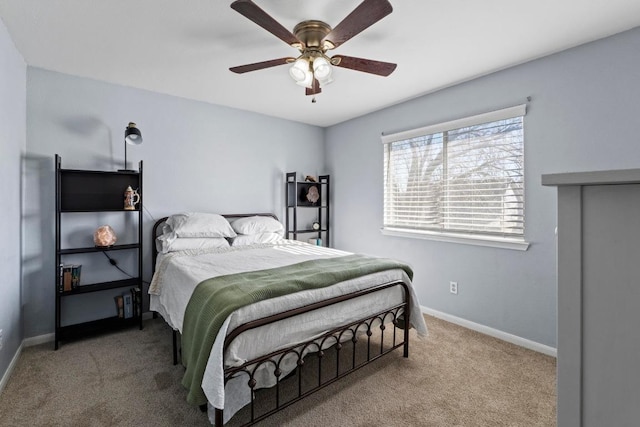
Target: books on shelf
[(128, 304), (69, 277), (66, 278), (120, 306), (75, 275), (136, 300), (61, 279)]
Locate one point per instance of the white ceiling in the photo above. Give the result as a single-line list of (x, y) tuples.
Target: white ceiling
[(185, 48)]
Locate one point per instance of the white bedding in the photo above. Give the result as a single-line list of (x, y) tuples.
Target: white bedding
[(178, 273)]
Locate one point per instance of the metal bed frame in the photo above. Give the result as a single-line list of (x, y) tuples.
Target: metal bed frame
[(338, 338)]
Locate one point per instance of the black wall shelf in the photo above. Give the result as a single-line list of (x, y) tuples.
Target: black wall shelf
[(296, 192), (104, 286), (94, 327), (98, 249), (95, 191), (91, 191)]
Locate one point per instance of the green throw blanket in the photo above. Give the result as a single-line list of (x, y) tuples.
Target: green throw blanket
[(214, 299)]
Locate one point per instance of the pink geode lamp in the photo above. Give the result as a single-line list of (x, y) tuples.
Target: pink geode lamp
[(104, 236)]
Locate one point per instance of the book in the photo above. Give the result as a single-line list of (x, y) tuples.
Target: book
[(128, 307), (75, 275), (61, 278), (119, 306), (66, 278), (135, 301)]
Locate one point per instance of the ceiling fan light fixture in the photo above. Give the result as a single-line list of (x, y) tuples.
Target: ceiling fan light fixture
[(308, 81), (321, 68), (313, 38), (324, 82), (300, 71)]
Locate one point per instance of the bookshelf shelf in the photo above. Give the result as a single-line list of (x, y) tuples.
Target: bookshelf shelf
[(95, 327), (98, 249), (91, 191), (104, 286)]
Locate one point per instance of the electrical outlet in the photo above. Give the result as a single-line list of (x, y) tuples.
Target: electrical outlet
[(453, 287)]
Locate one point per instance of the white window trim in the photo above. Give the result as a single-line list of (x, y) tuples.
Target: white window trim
[(505, 113), (466, 239), (469, 239)]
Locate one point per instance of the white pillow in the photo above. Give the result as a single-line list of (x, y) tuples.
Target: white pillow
[(250, 239), (198, 224), (257, 225), (170, 243)]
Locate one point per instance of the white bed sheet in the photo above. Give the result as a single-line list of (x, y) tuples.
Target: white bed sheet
[(177, 275)]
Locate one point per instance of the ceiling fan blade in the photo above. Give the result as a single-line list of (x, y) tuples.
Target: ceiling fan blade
[(366, 14), (365, 65), (315, 89), (250, 10), (261, 65)]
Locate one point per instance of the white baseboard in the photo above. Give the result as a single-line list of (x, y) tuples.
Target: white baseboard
[(513, 339), (40, 339), (10, 368)]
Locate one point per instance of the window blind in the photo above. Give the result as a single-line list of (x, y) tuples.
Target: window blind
[(464, 176)]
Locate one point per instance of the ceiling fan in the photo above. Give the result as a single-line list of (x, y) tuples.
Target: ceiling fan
[(313, 68)]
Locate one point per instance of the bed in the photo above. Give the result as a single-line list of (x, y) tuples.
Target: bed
[(259, 344)]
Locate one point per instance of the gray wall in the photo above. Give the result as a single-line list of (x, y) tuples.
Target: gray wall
[(196, 156), (204, 157), (583, 116), (13, 110)]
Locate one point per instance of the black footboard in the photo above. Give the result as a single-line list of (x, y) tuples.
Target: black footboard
[(330, 356)]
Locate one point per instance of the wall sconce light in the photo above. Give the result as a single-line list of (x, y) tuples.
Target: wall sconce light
[(132, 136)]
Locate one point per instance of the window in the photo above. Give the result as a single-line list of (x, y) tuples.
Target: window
[(460, 178)]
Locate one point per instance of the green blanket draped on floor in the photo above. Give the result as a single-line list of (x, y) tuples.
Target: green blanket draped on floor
[(214, 299)]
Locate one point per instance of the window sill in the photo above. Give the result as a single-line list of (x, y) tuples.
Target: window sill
[(465, 239)]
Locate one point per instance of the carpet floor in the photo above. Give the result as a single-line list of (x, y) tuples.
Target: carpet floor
[(455, 377)]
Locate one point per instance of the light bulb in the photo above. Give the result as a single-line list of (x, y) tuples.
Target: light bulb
[(321, 68), (298, 70), (301, 73)]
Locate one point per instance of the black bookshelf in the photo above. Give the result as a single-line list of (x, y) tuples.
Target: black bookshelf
[(296, 192), (91, 191)]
